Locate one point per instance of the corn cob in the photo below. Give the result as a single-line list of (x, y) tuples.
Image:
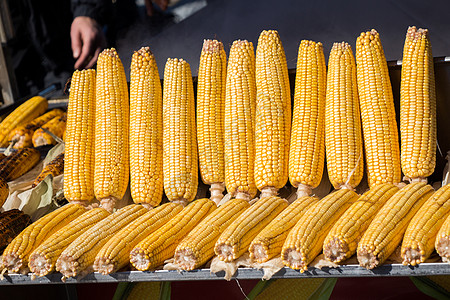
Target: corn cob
[(211, 116), (114, 255), (240, 107), (111, 172), (273, 115), (54, 168), (146, 125), (236, 238), (343, 137), (418, 242), (4, 191), (19, 163), (269, 242), (57, 126), (79, 256), (198, 246), (307, 148), (22, 135), (79, 144), (43, 258), (180, 157), (12, 222), (442, 243), (304, 241), (377, 111), (15, 256), (389, 225), (153, 250), (417, 107), (25, 113), (342, 240), (145, 290)]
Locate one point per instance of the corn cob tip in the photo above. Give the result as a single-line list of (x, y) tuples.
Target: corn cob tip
[(144, 51), (258, 252), (139, 259), (367, 259), (268, 191), (39, 265), (12, 262), (109, 52), (443, 248), (415, 34), (104, 265), (108, 203), (147, 206), (412, 256), (217, 190), (341, 46), (225, 252), (335, 250), (67, 266), (303, 190), (294, 259), (243, 196), (416, 179), (186, 259), (212, 46)]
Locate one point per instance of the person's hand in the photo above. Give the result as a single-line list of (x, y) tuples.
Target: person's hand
[(162, 4), (87, 41)]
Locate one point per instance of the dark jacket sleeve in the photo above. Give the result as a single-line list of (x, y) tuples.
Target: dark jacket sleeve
[(99, 10)]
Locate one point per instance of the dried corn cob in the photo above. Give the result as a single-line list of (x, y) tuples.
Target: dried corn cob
[(342, 240), (25, 113), (114, 255), (22, 136), (269, 242), (146, 125), (304, 241), (12, 222), (15, 256), (79, 256), (387, 228), (307, 149), (198, 246), (54, 168), (418, 242), (417, 107), (57, 126), (18, 163), (180, 157), (153, 250), (236, 238), (211, 116), (79, 144), (273, 115), (4, 191), (43, 258), (377, 111), (343, 136), (240, 107), (111, 171), (442, 243)]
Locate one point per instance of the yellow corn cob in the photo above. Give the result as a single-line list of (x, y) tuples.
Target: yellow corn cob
[(15, 256), (22, 136), (146, 125), (79, 256), (12, 222), (19, 163), (212, 74), (307, 149), (180, 158), (25, 113), (298, 288), (442, 243), (418, 242), (377, 111), (43, 258), (343, 136), (111, 171), (115, 254), (57, 126), (389, 225), (198, 246), (4, 191), (342, 240), (304, 241), (269, 242), (55, 168), (153, 250), (417, 107), (145, 290), (273, 115), (240, 107), (236, 238), (79, 143)]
